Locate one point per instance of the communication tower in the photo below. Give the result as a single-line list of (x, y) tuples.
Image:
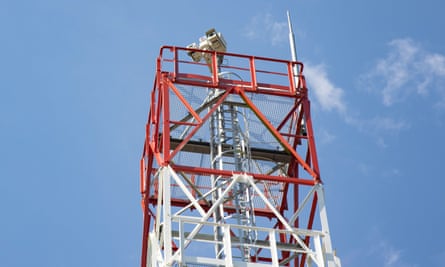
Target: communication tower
[(229, 170)]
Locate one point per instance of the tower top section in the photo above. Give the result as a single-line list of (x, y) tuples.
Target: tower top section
[(230, 163)]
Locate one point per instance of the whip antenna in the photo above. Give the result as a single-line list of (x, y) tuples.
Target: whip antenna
[(293, 50)]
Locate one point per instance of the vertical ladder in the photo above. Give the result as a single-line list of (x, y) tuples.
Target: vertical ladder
[(229, 146)]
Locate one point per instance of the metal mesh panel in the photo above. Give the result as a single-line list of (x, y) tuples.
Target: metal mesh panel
[(275, 108)]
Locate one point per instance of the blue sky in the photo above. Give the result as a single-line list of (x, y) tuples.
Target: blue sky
[(75, 83)]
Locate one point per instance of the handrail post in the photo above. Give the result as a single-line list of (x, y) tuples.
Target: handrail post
[(253, 73)]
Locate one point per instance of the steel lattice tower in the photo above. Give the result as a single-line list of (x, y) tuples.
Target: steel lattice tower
[(229, 170)]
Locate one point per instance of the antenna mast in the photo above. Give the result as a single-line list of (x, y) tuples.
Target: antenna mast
[(293, 49)]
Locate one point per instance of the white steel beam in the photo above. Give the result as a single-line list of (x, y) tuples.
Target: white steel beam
[(204, 219), (227, 246), (186, 191), (167, 230), (327, 245)]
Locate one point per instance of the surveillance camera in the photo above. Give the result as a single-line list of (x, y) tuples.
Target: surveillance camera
[(216, 41), (196, 56)]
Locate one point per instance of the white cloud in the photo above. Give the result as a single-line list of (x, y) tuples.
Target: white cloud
[(390, 255), (385, 252), (392, 258), (326, 137), (387, 124), (327, 94), (435, 63), (379, 127), (364, 168), (265, 27), (331, 98), (381, 142), (407, 69)]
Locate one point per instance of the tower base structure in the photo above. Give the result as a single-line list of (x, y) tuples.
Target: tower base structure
[(249, 195)]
